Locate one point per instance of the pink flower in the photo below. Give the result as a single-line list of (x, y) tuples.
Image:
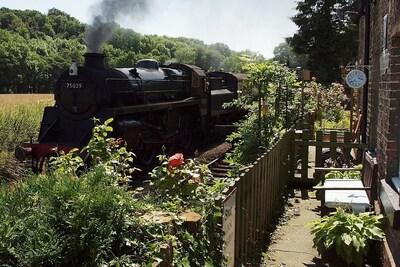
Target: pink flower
[(176, 160), (196, 179)]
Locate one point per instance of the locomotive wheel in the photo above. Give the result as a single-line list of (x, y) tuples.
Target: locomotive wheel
[(39, 164), (147, 154), (168, 138), (169, 147), (185, 131)]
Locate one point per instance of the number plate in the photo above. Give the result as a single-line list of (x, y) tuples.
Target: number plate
[(75, 85)]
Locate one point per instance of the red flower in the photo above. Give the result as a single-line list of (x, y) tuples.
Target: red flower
[(176, 160)]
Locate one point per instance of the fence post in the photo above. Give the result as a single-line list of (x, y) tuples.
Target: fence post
[(291, 152), (304, 155), (346, 151), (333, 139)]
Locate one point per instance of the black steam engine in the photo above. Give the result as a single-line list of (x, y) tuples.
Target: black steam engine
[(152, 106)]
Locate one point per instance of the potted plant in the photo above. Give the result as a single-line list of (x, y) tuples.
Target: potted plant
[(349, 235)]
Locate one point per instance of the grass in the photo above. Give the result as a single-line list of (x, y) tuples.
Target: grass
[(20, 117), (12, 101)]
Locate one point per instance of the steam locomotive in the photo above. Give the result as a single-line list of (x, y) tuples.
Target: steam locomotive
[(151, 106)]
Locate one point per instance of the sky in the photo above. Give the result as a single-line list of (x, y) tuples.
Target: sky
[(258, 25)]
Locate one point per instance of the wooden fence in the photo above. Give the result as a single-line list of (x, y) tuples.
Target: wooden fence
[(258, 191), (334, 144), (258, 195)]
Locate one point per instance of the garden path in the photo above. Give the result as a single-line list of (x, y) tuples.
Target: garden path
[(292, 244)]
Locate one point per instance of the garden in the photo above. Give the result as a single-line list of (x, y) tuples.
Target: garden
[(76, 214)]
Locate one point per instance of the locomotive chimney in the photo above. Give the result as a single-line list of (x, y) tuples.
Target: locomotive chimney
[(94, 60)]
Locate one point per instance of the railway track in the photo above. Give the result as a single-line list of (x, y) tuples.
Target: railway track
[(219, 168)]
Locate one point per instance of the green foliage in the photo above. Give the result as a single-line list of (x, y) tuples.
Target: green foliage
[(59, 220), (285, 55), (326, 35), (102, 150), (354, 174), (348, 234), (272, 97), (185, 185), (327, 101), (94, 219), (247, 141), (35, 48), (341, 121)]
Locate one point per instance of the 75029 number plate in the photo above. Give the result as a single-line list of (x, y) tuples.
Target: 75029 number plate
[(74, 85)]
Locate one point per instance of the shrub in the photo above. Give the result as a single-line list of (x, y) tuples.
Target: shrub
[(348, 234), (186, 184), (61, 220), (94, 219), (180, 181)]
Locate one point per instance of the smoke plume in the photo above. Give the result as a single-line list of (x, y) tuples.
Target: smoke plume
[(105, 15)]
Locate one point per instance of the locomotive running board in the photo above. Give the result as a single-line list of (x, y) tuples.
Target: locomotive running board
[(156, 106)]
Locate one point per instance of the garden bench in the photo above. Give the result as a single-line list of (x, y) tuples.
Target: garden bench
[(359, 195)]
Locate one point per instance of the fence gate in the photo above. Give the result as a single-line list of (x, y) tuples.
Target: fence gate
[(329, 144)]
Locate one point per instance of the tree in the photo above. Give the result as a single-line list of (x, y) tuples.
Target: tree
[(284, 54), (35, 48), (326, 35), (185, 54), (222, 48)]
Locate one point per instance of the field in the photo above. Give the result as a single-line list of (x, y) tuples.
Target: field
[(20, 116), (9, 101)]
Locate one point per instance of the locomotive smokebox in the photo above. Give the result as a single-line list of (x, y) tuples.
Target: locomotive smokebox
[(94, 60)]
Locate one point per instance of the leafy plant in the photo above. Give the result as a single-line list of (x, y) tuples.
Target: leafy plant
[(102, 149), (353, 174), (175, 179), (93, 219), (187, 185), (348, 234), (60, 219), (272, 97)]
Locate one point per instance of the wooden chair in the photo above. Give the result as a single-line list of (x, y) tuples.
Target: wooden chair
[(358, 195)]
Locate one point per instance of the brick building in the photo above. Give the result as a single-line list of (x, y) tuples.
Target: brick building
[(379, 48)]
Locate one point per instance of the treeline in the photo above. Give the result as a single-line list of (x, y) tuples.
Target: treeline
[(35, 48)]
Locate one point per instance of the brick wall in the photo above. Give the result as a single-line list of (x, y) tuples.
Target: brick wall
[(383, 119), (383, 131)]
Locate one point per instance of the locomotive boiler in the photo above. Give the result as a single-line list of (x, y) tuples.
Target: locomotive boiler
[(151, 106)]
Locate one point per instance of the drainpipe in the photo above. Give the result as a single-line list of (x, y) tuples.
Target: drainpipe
[(367, 5)]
